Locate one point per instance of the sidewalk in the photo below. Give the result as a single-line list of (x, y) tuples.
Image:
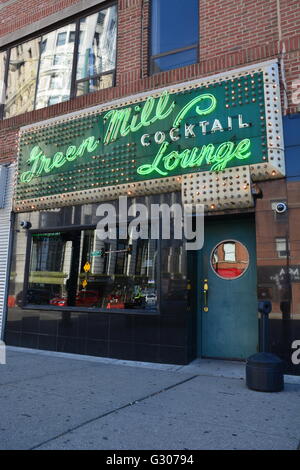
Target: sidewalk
[(59, 401)]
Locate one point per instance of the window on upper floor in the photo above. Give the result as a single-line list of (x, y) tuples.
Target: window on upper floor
[(174, 34), (74, 60), (21, 81), (96, 52), (2, 78)]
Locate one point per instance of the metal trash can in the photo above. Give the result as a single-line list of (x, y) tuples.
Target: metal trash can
[(264, 371)]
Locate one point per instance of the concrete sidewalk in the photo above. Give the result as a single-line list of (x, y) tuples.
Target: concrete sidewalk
[(59, 401)]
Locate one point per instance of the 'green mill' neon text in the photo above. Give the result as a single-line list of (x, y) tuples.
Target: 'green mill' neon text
[(119, 123)]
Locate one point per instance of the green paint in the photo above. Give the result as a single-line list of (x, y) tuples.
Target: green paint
[(225, 330)]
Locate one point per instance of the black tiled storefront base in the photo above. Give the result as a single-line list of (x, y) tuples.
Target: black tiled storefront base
[(71, 345), (31, 323), (172, 330), (148, 338), (147, 330), (121, 328), (68, 325), (49, 324), (13, 338), (47, 342), (97, 326), (29, 340), (97, 348), (172, 355), (121, 350), (146, 352)]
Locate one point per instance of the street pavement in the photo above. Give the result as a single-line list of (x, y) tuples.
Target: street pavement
[(59, 401)]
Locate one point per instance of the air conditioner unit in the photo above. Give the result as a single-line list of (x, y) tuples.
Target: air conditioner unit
[(3, 181)]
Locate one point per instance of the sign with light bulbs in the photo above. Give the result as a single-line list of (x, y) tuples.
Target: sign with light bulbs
[(147, 143)]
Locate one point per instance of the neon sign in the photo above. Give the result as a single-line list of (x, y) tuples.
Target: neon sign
[(195, 157), (120, 123), (209, 128), (118, 120), (41, 164)]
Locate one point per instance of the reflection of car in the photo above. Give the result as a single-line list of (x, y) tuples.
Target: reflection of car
[(34, 296), (83, 299), (151, 299), (59, 301)]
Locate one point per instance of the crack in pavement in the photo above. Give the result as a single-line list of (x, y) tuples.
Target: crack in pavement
[(165, 389), (14, 383)]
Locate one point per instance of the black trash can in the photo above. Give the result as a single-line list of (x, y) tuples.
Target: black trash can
[(264, 372)]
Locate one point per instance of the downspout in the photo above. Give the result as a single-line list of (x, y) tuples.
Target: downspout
[(8, 270), (9, 257), (282, 53)]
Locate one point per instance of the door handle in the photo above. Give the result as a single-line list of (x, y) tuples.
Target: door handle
[(205, 295)]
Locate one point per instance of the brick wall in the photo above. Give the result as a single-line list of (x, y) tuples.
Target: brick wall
[(232, 34), (20, 13)]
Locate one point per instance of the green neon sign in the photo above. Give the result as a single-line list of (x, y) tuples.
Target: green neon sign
[(196, 157), (122, 122), (40, 163), (210, 128)]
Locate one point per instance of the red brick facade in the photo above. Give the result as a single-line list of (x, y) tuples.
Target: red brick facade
[(232, 34)]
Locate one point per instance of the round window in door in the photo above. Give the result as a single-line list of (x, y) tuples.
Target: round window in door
[(230, 259)]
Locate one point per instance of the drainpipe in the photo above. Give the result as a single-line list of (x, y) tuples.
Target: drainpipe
[(282, 53), (8, 270)]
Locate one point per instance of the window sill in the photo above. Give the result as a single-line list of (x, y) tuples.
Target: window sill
[(90, 310)]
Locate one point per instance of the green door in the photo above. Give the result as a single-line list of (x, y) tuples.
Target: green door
[(227, 310)]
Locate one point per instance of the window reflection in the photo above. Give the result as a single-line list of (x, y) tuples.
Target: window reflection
[(97, 50), (22, 75), (43, 72), (173, 268), (77, 269), (230, 259), (94, 84), (174, 34), (54, 83), (2, 72), (173, 61)]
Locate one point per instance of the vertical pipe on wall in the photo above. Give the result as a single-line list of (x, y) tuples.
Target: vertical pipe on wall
[(7, 246)]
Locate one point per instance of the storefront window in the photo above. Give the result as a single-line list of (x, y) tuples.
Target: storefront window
[(173, 272), (76, 269), (22, 76)]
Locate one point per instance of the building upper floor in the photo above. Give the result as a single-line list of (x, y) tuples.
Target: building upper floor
[(60, 56)]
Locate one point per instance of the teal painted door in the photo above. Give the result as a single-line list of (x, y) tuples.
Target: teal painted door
[(229, 327)]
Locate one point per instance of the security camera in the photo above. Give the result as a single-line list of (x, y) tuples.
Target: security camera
[(25, 224), (280, 207)]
